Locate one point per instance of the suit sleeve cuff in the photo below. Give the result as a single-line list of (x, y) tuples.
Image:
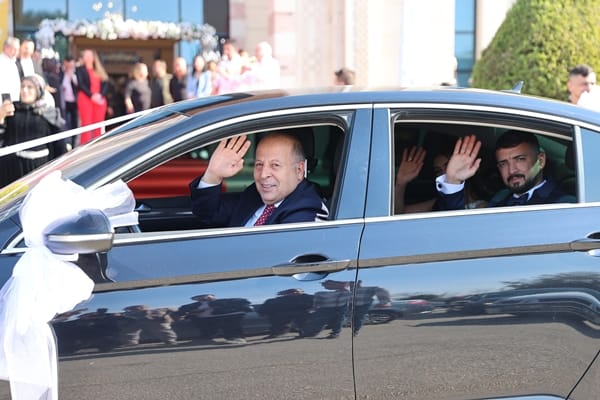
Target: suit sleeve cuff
[(202, 184)]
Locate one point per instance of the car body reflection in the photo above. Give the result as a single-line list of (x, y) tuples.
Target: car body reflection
[(566, 303), (207, 319)]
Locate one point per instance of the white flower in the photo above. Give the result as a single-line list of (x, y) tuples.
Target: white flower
[(114, 27)]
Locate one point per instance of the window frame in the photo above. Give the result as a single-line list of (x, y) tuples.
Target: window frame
[(462, 119)]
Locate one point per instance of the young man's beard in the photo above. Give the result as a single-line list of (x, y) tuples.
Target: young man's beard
[(527, 184)]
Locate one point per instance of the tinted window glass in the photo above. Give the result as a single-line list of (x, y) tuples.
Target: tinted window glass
[(163, 194), (438, 140)]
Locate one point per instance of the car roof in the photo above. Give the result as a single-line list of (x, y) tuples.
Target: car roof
[(252, 102)]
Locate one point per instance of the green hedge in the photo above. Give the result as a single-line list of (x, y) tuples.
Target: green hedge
[(538, 42)]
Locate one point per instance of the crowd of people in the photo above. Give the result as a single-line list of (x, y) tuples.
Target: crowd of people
[(27, 112), (55, 96), (77, 92)]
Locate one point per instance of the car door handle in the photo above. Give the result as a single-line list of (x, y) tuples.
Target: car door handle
[(592, 242), (310, 263)]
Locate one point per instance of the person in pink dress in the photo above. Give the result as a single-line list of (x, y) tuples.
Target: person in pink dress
[(91, 97)]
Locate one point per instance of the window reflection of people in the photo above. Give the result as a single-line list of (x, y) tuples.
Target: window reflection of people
[(91, 97), (290, 307), (97, 329), (154, 323), (279, 182), (211, 317), (329, 309), (363, 300)]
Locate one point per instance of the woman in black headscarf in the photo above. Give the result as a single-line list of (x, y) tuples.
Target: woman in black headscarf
[(33, 117)]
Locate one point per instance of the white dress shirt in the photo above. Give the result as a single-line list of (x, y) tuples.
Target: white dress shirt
[(11, 81)]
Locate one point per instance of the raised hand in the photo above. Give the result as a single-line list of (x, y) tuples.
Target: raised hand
[(463, 163), (410, 165), (227, 159)]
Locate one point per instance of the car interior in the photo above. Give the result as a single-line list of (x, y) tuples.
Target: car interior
[(162, 194), (440, 138)]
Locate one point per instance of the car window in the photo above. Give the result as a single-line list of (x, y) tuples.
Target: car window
[(163, 196), (437, 139), (586, 158)]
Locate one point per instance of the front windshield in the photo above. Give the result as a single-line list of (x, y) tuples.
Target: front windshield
[(87, 157)]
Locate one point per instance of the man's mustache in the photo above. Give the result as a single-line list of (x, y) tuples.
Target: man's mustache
[(510, 177)]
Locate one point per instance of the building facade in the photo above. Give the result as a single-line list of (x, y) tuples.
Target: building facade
[(386, 42)]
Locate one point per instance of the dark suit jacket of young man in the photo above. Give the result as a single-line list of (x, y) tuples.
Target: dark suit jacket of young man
[(547, 194), (217, 209)]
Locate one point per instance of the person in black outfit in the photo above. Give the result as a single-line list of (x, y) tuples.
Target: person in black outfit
[(137, 91), (211, 316), (520, 161), (51, 74), (178, 83), (28, 119), (290, 307)]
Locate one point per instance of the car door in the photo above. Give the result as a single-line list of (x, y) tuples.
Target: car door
[(183, 314), (463, 264)]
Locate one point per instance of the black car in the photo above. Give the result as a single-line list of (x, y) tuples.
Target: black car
[(172, 303)]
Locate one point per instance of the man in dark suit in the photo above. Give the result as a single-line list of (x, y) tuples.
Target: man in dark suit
[(178, 82), (280, 193), (520, 161)]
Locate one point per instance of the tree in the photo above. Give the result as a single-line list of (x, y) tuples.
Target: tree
[(538, 43)]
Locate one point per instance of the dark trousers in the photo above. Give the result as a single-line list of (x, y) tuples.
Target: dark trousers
[(71, 120), (229, 325), (331, 317), (281, 321), (359, 316)]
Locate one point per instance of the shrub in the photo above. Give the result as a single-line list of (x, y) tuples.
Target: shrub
[(538, 43)]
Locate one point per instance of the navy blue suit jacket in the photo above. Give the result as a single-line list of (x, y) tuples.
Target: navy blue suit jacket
[(217, 209), (547, 194)]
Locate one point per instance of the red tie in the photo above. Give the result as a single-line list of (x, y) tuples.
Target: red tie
[(265, 214)]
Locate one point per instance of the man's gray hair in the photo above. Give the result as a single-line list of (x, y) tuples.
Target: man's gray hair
[(12, 41)]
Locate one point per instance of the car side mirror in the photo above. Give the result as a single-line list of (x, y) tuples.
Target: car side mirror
[(87, 232)]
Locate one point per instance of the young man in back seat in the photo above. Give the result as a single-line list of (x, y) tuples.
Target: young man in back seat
[(520, 161)]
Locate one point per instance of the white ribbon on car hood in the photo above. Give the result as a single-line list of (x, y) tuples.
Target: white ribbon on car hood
[(44, 284)]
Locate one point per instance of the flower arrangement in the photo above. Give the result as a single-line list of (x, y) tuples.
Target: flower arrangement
[(114, 27)]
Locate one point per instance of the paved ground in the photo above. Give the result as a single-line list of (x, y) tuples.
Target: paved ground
[(436, 357)]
